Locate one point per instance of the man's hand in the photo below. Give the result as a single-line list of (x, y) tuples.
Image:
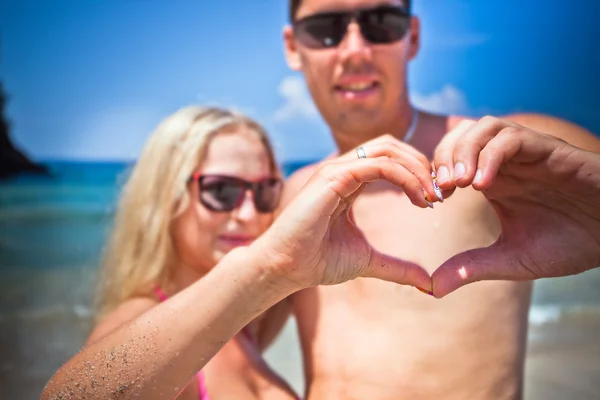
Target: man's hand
[(545, 192)]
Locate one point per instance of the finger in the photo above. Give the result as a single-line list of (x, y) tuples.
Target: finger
[(388, 147), (345, 178), (443, 159), (400, 151), (387, 139), (349, 201), (468, 147), (492, 263), (394, 270), (411, 159), (444, 193), (351, 217), (518, 144), (334, 186)]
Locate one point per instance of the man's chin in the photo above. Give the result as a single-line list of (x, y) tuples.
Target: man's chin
[(357, 118)]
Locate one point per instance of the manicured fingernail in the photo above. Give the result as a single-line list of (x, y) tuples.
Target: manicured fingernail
[(429, 203), (459, 170), (436, 187), (443, 174), (424, 291), (478, 176)]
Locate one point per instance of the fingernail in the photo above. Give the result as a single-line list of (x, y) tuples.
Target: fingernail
[(443, 174), (429, 203), (424, 291), (478, 176), (459, 170), (436, 187)]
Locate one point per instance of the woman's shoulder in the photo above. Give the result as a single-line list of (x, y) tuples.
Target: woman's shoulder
[(124, 313)]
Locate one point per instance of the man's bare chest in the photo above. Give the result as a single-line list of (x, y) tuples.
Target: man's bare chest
[(392, 224)]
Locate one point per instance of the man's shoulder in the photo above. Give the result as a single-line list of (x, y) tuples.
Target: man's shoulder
[(560, 128), (300, 176), (563, 129), (295, 182)]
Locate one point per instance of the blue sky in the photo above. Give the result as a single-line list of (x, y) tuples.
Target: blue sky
[(90, 79)]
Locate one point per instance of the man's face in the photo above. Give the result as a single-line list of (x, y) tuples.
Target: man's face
[(357, 84)]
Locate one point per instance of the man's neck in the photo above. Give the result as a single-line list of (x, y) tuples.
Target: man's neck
[(400, 125)]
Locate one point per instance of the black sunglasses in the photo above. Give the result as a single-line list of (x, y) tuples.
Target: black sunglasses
[(379, 25), (225, 193)]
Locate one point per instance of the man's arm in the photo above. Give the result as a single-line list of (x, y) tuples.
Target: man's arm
[(565, 130)]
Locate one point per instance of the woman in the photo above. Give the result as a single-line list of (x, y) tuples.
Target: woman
[(206, 183), (200, 196)]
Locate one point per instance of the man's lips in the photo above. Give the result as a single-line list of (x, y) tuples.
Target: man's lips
[(356, 86), (357, 90)]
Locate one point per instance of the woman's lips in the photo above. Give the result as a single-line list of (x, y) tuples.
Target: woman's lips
[(236, 240)]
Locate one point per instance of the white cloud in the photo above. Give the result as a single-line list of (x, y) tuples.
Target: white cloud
[(297, 101), (448, 100), (118, 132)]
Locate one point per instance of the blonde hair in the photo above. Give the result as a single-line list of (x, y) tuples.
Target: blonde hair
[(140, 245)]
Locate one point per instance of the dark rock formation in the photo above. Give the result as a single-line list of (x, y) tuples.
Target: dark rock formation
[(12, 160)]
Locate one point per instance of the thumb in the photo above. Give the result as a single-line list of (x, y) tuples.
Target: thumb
[(491, 263), (387, 268)]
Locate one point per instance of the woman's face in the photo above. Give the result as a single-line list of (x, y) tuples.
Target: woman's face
[(202, 236)]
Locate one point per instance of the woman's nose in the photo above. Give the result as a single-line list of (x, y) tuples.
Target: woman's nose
[(246, 211)]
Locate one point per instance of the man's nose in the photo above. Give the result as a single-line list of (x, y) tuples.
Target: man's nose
[(354, 46)]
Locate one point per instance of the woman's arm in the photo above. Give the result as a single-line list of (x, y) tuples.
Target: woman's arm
[(158, 353), (314, 241)]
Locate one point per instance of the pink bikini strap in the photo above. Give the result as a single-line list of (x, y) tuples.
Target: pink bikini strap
[(159, 293), (202, 387), (162, 296)]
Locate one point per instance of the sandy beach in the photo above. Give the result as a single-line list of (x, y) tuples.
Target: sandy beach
[(565, 362), (44, 321)]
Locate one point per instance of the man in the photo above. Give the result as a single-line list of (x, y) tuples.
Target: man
[(370, 339)]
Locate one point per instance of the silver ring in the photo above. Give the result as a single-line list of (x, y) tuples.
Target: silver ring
[(360, 152)]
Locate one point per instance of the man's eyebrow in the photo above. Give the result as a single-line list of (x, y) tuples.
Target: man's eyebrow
[(344, 7)]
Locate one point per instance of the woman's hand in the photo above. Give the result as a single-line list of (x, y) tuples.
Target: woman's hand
[(315, 241)]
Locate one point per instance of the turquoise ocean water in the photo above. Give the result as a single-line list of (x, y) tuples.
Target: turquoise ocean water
[(62, 220)]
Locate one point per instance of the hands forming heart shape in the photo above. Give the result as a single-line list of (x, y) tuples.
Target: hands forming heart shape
[(546, 194)]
